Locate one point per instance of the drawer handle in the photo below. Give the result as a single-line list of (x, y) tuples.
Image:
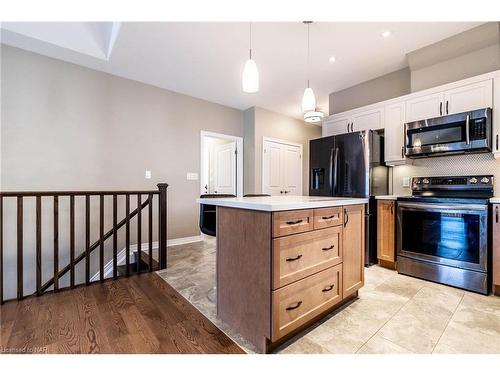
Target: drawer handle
[(328, 288), (328, 217), (328, 248), (292, 259), (297, 305), (294, 222)]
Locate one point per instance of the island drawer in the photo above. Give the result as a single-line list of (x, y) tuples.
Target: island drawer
[(301, 255), (297, 303), (292, 222), (327, 217)]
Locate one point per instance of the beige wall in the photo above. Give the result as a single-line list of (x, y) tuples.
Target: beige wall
[(376, 90), (274, 125), (69, 127)]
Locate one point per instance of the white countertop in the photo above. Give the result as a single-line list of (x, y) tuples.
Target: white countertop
[(495, 200), (282, 203), (387, 197)]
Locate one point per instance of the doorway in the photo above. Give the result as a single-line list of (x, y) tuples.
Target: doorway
[(221, 164)]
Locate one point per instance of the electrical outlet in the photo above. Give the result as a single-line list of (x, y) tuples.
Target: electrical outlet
[(147, 175), (192, 176), (406, 181)]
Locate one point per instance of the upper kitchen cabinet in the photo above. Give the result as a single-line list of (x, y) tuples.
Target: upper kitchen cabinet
[(465, 98), (424, 107), (496, 118), (468, 98), (354, 121), (394, 133)]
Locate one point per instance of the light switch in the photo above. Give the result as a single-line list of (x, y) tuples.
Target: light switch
[(406, 181), (147, 175), (192, 176)]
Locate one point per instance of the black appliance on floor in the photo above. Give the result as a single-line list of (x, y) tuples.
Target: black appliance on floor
[(442, 231), (351, 165)]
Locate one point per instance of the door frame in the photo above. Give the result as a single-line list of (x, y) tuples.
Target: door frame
[(239, 158), (284, 142)]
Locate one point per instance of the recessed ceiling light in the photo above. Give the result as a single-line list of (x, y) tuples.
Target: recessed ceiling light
[(332, 59), (386, 34)]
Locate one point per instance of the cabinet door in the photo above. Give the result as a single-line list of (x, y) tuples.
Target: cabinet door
[(336, 126), (292, 169), (496, 118), (496, 249), (394, 135), (468, 98), (272, 175), (386, 215), (372, 119), (425, 107), (353, 251)]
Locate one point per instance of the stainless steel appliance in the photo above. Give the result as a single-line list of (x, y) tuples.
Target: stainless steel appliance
[(459, 133), (442, 231), (351, 165)]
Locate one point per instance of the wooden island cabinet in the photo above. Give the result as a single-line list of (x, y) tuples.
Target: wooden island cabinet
[(285, 262), (386, 233)]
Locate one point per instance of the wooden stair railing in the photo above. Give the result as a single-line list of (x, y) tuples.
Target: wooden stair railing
[(58, 273)]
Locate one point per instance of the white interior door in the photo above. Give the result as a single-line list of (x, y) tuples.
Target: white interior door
[(292, 179), (281, 168), (225, 169)]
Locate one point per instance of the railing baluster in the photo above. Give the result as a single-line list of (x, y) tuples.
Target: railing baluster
[(1, 249), (150, 233), (101, 237), (127, 233), (115, 238), (139, 233), (20, 288), (87, 239), (56, 242), (72, 240), (38, 245)]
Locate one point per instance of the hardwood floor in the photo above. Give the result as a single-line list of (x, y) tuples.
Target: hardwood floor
[(139, 314)]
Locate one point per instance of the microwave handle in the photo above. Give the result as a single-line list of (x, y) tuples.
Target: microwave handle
[(467, 132)]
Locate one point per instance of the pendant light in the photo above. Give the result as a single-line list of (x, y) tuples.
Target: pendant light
[(308, 100), (250, 79)]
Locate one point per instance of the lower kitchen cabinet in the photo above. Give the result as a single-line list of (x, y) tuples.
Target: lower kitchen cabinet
[(353, 239), (386, 230), (496, 249)]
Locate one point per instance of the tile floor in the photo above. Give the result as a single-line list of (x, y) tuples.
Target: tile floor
[(393, 314)]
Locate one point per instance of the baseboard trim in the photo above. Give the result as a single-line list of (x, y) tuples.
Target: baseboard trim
[(108, 267)]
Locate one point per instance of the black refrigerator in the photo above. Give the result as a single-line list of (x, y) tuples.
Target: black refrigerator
[(351, 165)]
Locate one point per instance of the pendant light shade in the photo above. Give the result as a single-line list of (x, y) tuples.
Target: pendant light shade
[(308, 100), (250, 79)]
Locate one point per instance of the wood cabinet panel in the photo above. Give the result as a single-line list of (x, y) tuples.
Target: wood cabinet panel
[(353, 250), (327, 217), (469, 97), (496, 249), (301, 255), (297, 303), (424, 107), (386, 221), (292, 222)]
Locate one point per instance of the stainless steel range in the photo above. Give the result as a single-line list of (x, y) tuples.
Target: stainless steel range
[(442, 231)]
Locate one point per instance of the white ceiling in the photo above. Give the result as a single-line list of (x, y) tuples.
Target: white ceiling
[(206, 60)]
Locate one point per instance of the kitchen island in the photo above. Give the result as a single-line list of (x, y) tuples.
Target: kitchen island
[(284, 262)]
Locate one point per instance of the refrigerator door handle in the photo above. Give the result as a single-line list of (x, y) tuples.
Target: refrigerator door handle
[(335, 159), (331, 168)]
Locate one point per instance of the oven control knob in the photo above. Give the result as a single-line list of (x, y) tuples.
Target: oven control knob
[(417, 181), (473, 180), (485, 180), (425, 181)]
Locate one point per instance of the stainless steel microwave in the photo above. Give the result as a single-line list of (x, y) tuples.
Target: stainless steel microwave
[(458, 133)]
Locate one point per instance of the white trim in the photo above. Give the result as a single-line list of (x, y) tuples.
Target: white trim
[(108, 267), (283, 142), (239, 159)]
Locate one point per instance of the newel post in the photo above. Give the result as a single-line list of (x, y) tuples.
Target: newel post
[(162, 226)]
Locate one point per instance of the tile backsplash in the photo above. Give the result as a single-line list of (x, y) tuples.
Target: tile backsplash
[(473, 164)]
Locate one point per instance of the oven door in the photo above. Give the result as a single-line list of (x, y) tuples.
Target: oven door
[(448, 234)]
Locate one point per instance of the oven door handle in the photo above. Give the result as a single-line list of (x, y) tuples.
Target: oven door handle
[(441, 207)]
